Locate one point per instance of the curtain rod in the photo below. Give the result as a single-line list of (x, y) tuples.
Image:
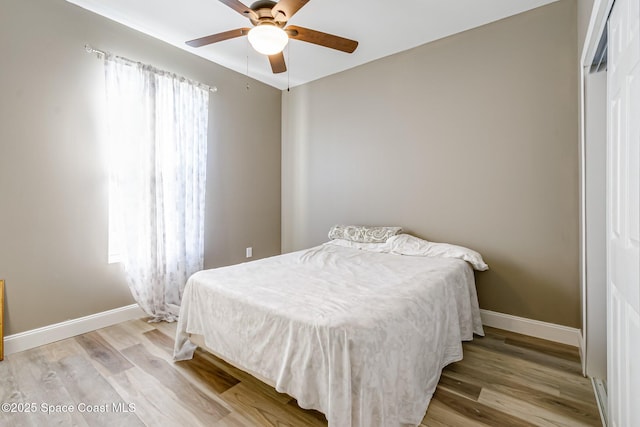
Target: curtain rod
[(90, 49), (102, 54)]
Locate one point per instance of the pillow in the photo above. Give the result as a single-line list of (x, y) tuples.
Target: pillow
[(363, 234), (370, 247), (406, 244)]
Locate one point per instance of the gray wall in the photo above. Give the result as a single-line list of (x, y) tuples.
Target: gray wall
[(53, 188), (470, 140)]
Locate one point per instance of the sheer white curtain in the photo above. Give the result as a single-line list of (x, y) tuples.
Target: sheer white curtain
[(157, 137)]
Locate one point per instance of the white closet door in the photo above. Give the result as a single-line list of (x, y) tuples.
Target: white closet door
[(623, 218)]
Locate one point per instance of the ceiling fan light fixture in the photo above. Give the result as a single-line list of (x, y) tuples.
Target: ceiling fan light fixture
[(268, 39)]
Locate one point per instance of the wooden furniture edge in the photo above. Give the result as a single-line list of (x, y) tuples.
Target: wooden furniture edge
[(1, 320)]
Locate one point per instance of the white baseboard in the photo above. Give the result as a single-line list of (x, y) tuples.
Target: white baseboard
[(533, 328), (583, 352), (70, 328)]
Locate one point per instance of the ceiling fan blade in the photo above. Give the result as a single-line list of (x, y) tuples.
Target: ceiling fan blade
[(240, 8), (277, 63), (322, 39), (285, 9), (214, 38)]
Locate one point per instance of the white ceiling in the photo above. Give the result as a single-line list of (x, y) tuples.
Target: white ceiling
[(381, 27)]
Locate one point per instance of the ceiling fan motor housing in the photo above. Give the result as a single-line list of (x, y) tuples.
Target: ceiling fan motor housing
[(263, 8)]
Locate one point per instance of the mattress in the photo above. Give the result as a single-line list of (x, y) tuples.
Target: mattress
[(361, 336)]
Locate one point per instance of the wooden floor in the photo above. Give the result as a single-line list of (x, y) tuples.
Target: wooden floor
[(123, 375)]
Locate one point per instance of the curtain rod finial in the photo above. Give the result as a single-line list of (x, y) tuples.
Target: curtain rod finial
[(91, 49)]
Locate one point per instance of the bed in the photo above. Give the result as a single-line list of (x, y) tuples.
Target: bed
[(359, 331)]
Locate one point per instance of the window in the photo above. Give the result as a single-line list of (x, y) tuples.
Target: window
[(157, 126)]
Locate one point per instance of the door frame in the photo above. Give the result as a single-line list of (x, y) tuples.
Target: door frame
[(597, 26)]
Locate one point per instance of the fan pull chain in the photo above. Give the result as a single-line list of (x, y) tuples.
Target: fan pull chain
[(289, 67), (247, 55)]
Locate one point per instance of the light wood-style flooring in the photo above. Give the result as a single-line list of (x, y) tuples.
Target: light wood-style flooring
[(124, 375)]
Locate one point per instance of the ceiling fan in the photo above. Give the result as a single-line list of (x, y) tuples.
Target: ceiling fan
[(270, 33)]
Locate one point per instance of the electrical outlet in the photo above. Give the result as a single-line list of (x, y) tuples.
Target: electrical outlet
[(249, 252)]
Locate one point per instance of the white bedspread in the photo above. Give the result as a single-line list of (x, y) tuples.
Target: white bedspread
[(358, 335)]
